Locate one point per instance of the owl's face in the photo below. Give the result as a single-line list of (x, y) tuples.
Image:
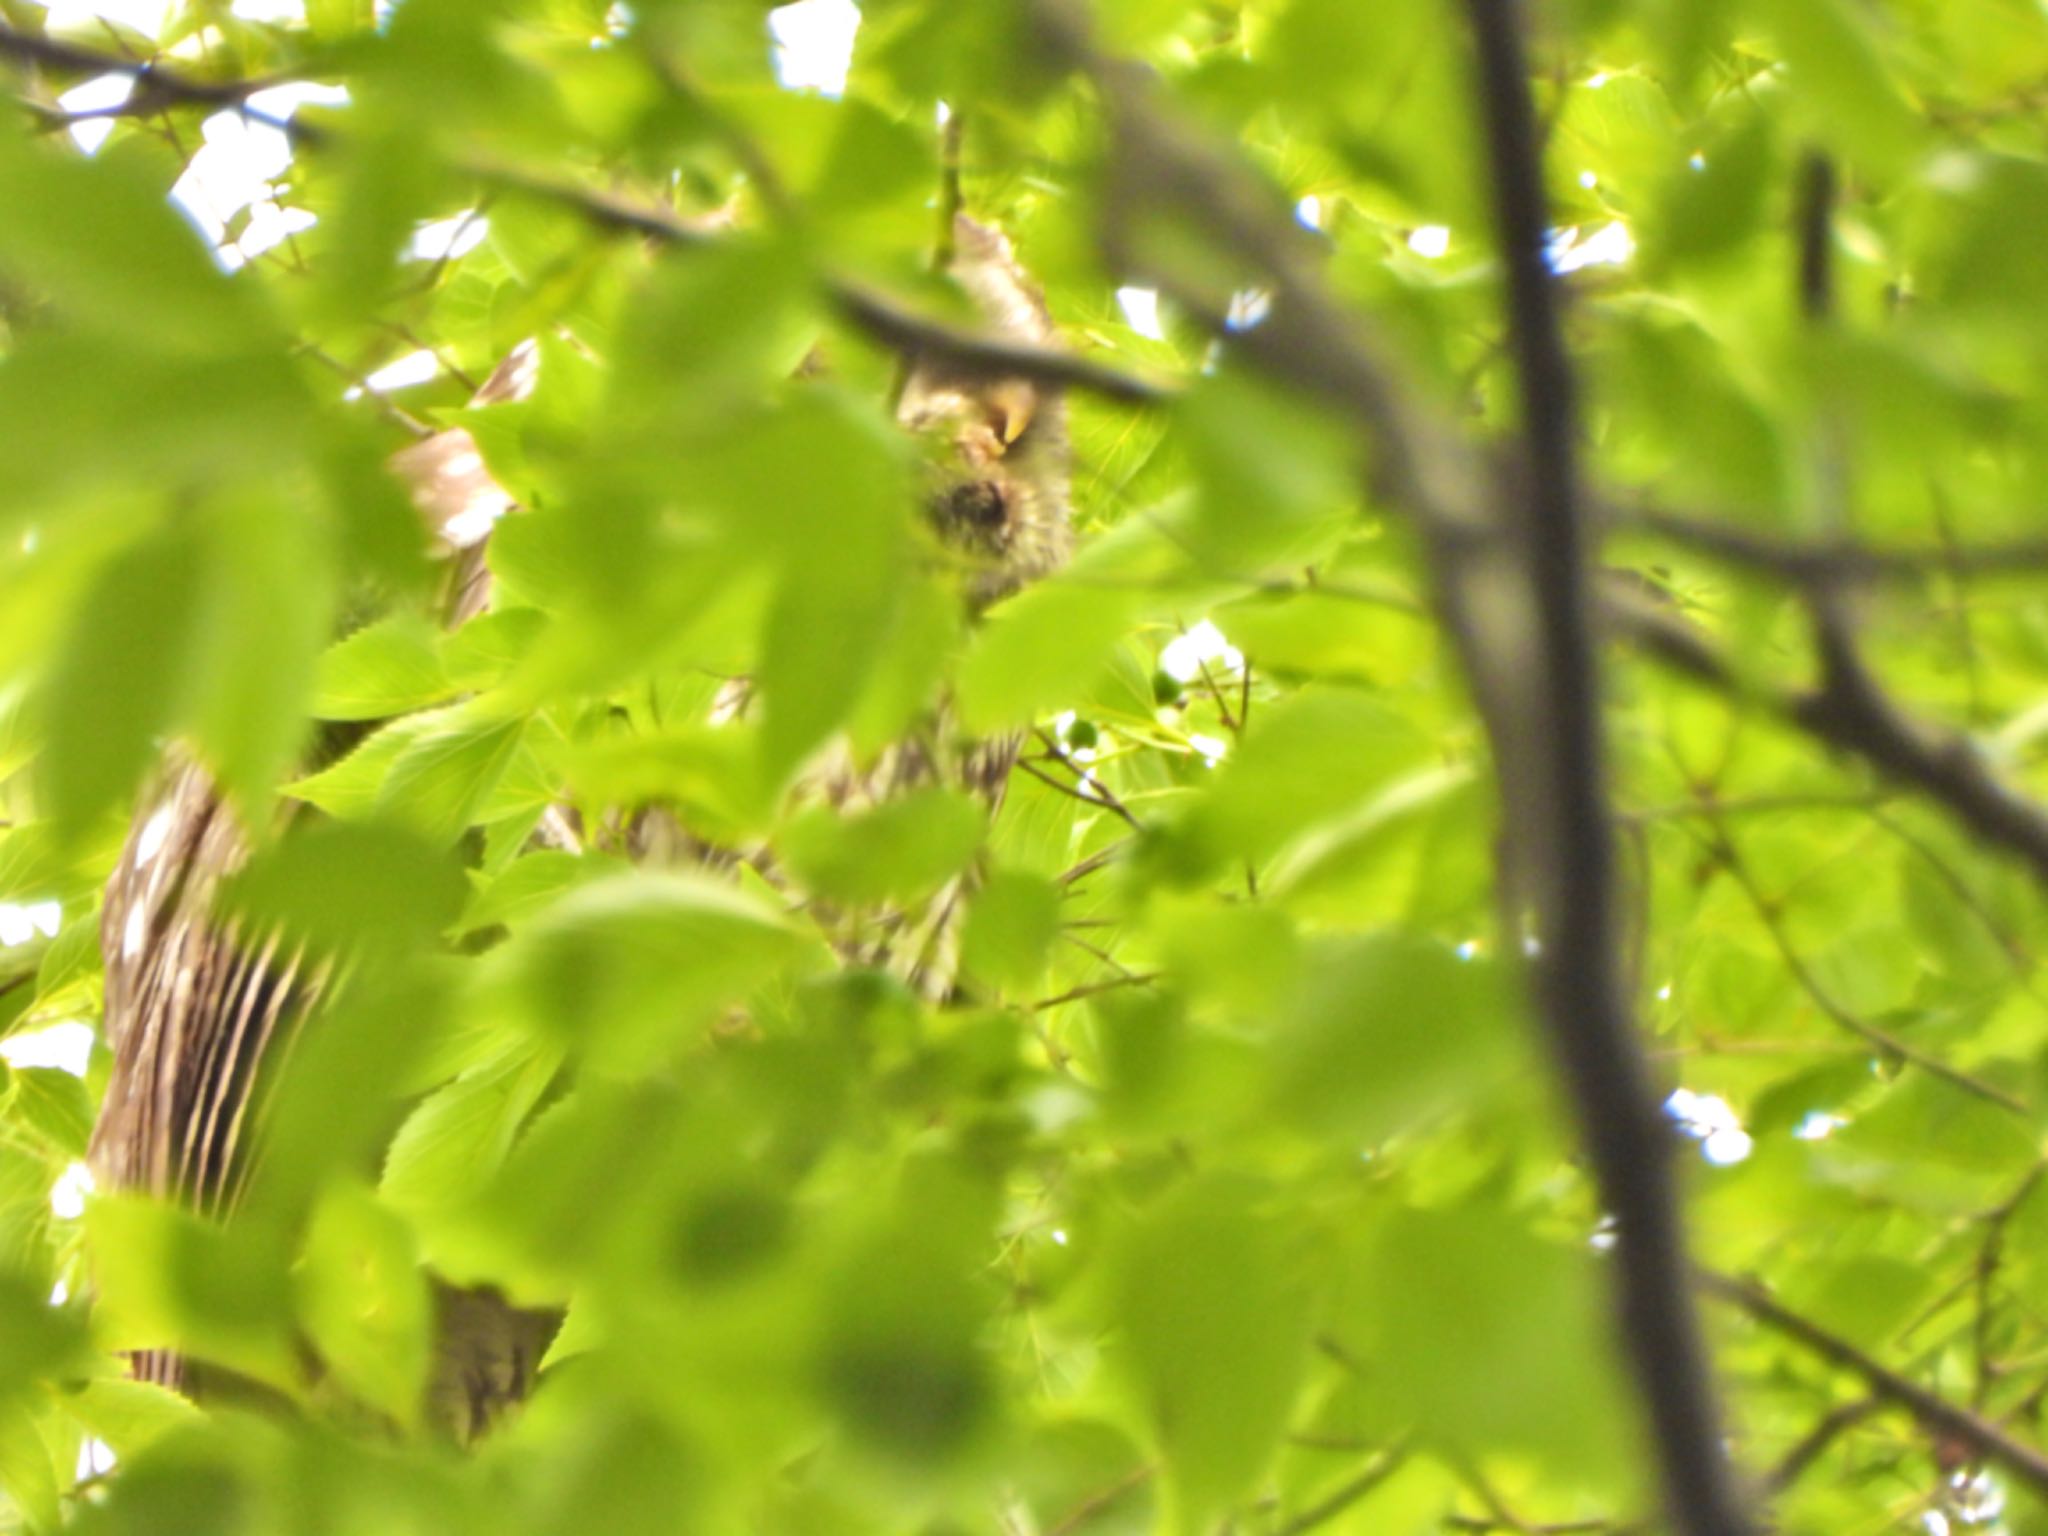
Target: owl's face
[(996, 493)]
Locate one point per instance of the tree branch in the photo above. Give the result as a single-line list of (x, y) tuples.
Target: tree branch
[(1583, 995), (1983, 1437), (1382, 1467), (881, 317), (1518, 609), (1850, 713), (1815, 564), (1812, 1445), (156, 85), (1721, 847)]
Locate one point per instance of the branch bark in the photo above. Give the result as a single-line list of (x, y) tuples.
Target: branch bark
[(1815, 563), (1851, 713), (1983, 1438), (1580, 986), (876, 314)]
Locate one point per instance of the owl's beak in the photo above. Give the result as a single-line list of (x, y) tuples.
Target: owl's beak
[(1011, 404)]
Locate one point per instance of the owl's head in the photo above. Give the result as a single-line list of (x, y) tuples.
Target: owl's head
[(998, 490)]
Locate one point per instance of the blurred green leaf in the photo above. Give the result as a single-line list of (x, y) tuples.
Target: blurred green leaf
[(343, 886), (122, 678), (1216, 1331), (1490, 1336), (383, 669), (363, 1301), (631, 969), (901, 850)]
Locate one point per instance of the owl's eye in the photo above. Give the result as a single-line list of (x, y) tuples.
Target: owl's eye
[(978, 504)]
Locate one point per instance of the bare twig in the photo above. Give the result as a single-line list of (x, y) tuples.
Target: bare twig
[(1850, 713), (1382, 1467), (1100, 1500), (1101, 792), (156, 85), (1980, 1435), (1096, 989), (1812, 1445), (1810, 563), (1075, 792), (1817, 237), (1984, 1275), (879, 316), (1769, 912)]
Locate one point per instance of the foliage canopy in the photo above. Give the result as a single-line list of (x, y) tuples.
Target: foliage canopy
[(1263, 1171)]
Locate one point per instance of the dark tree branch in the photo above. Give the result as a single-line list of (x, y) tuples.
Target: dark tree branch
[(1850, 713), (1519, 610), (1817, 237), (156, 85), (1583, 995), (1815, 564), (1980, 1435), (886, 320), (1812, 1445), (881, 317), (1308, 340)]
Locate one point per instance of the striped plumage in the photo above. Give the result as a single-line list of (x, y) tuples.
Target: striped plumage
[(199, 1013)]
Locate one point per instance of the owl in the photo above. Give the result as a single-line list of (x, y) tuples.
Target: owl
[(198, 1007)]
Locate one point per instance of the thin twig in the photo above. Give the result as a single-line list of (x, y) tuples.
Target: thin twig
[(156, 85), (1812, 1445), (1341, 1498), (1850, 713), (1770, 913), (1106, 796), (1100, 1500), (1096, 989), (1980, 1435), (869, 310), (1810, 562), (1073, 791), (1984, 1274)]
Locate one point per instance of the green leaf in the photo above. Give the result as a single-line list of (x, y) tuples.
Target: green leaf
[(107, 418), (264, 615), (1489, 1336), (53, 1105), (1389, 1032), (441, 779), (363, 1301), (25, 1469), (1039, 650), (38, 1341), (106, 245), (1011, 926), (900, 850), (1305, 760), (1847, 92), (128, 1415), (530, 884), (121, 678), (383, 669), (165, 1278), (458, 1136), (1215, 1332), (631, 969), (344, 887)]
